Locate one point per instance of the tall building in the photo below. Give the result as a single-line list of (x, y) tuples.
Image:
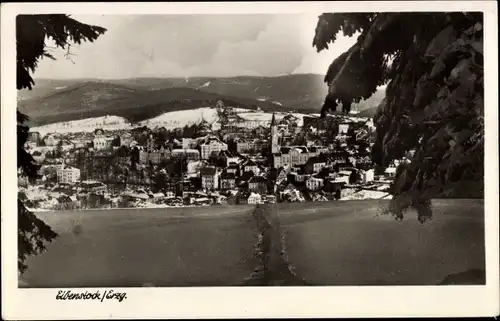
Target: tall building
[(275, 147), (68, 175), (211, 144)]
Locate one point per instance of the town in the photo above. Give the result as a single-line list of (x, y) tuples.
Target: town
[(237, 160)]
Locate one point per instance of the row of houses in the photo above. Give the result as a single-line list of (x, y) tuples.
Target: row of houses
[(192, 149), (98, 139)]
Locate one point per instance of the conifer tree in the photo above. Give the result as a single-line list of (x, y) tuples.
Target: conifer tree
[(432, 64), (31, 34)]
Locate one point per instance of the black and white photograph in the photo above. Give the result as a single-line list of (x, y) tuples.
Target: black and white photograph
[(250, 150)]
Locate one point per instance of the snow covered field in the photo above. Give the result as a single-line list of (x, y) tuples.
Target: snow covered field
[(259, 116), (84, 125), (263, 116), (169, 120), (177, 119), (366, 195)]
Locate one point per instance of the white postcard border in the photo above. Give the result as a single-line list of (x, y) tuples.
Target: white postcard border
[(237, 302)]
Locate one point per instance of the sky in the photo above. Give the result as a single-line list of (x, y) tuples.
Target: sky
[(195, 45)]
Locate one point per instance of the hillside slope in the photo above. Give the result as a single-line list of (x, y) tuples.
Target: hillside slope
[(93, 99), (300, 92), (143, 98)]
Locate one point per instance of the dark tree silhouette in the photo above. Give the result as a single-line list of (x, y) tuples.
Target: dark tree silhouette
[(31, 34), (353, 177), (116, 142), (434, 102)]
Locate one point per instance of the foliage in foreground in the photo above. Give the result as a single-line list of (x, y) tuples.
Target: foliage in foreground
[(31, 34), (432, 64)]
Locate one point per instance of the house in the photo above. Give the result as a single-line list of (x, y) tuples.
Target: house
[(315, 164), (250, 166), (209, 178), (268, 199), (221, 158), (318, 150), (254, 198), (227, 180), (211, 144), (343, 128), (290, 193), (285, 185), (143, 156), (233, 159), (292, 156), (243, 147), (126, 139), (257, 184), (390, 171), (368, 176), (301, 176), (339, 157), (50, 140), (189, 154), (156, 197), (68, 175), (257, 145), (314, 184), (282, 173), (233, 168), (101, 143), (189, 143), (93, 187), (202, 201), (133, 144), (158, 155), (98, 132), (342, 179)]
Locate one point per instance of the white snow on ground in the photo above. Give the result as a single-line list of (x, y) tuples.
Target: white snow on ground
[(263, 116), (62, 87), (277, 103), (84, 125), (181, 118), (361, 195), (35, 193), (241, 110), (300, 123), (260, 116), (169, 120), (36, 210), (204, 85)]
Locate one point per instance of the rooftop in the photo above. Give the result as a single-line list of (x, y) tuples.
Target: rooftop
[(207, 170), (257, 179), (226, 175)]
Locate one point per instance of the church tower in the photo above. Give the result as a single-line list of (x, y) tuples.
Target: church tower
[(275, 147)]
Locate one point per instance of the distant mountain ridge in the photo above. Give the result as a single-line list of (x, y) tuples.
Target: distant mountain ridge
[(138, 99)]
